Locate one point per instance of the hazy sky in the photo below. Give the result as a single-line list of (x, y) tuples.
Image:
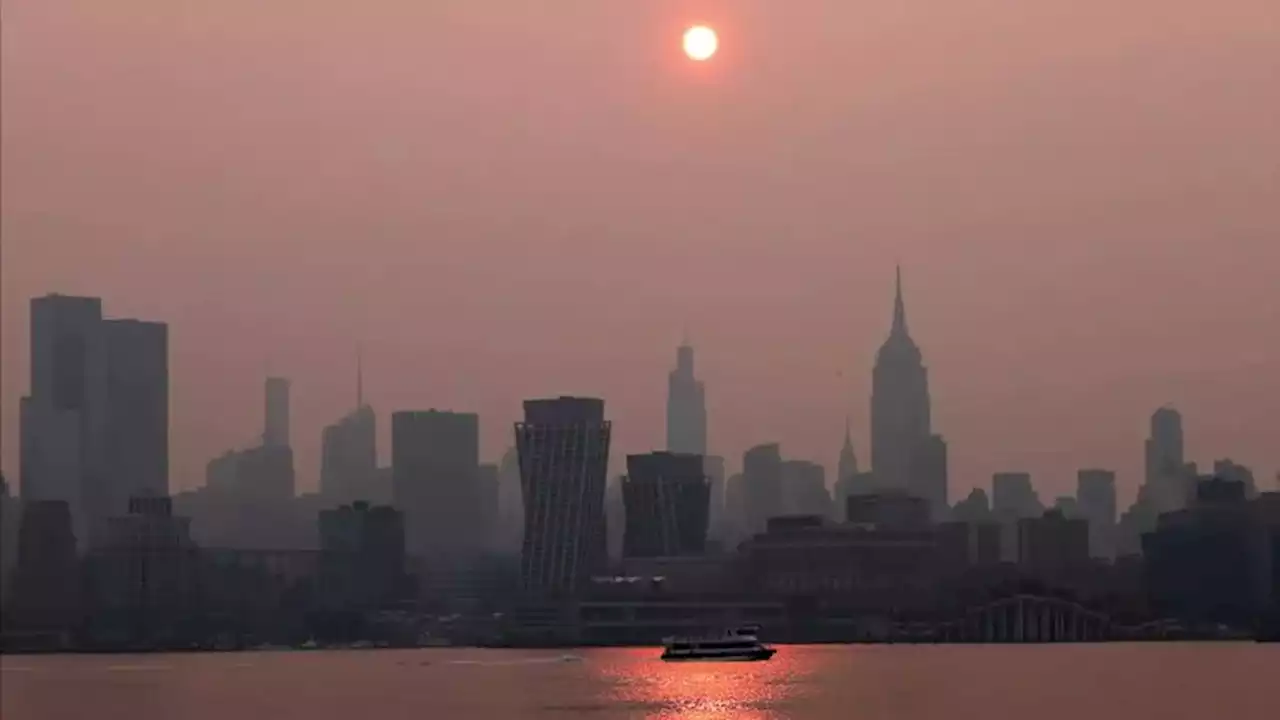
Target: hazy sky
[(506, 198)]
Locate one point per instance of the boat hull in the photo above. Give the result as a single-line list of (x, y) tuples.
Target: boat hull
[(752, 656)]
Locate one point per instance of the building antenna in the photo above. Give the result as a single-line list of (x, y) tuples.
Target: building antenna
[(359, 376)]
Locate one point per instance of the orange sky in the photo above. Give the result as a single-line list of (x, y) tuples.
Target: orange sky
[(503, 199)]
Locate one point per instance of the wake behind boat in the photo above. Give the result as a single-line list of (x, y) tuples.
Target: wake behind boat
[(739, 644)]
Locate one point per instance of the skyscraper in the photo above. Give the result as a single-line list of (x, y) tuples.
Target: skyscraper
[(95, 426), (762, 495), (349, 452), (905, 455), (1096, 497), (435, 465), (136, 431), (1166, 476), (686, 407), (510, 503), (349, 457), (667, 501), (61, 419), (563, 445), (713, 466), (275, 431), (804, 488)]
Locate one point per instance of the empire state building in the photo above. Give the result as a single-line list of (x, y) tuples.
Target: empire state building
[(905, 454)]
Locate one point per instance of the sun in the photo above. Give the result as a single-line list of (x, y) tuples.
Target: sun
[(700, 42)]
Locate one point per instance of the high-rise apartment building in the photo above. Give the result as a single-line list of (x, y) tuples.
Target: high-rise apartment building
[(435, 464), (667, 500), (563, 446)]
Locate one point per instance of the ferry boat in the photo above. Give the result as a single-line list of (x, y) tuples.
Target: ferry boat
[(739, 644)]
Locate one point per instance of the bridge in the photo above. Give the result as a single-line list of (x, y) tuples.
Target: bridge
[(1027, 619)]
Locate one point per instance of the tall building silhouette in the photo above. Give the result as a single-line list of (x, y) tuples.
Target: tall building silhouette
[(563, 445), (275, 432), (349, 452), (61, 419), (136, 431), (95, 426), (435, 465), (713, 466), (762, 492), (510, 532), (804, 488), (667, 499), (686, 407), (848, 465), (1096, 498), (905, 454), (1166, 460)]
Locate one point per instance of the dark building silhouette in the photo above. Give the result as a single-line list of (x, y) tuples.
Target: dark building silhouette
[(136, 431), (510, 504), (435, 459), (686, 407), (1052, 546), (975, 508), (62, 418), (10, 521), (1096, 499), (847, 467), (563, 445), (349, 452), (1168, 481), (349, 457), (667, 498), (762, 493), (1226, 469), (1212, 561), (144, 578), (275, 432), (1013, 498), (95, 426), (46, 580), (487, 505), (804, 488), (713, 466), (905, 454), (735, 510), (888, 510), (363, 561), (1165, 459)]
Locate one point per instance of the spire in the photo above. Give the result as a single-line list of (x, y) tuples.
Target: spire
[(359, 377), (848, 465), (899, 308)]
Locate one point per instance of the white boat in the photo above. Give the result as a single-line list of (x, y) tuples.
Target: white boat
[(739, 644)]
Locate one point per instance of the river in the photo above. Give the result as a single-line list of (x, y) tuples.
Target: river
[(992, 682)]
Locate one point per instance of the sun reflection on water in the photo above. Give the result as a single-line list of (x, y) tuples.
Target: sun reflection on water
[(703, 690)]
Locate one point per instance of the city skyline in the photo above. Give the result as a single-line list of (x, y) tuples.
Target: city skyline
[(1085, 211), (279, 387)]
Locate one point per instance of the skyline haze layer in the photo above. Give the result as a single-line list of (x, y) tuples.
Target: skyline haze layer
[(500, 203)]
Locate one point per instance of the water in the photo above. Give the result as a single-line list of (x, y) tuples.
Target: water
[(1063, 682)]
